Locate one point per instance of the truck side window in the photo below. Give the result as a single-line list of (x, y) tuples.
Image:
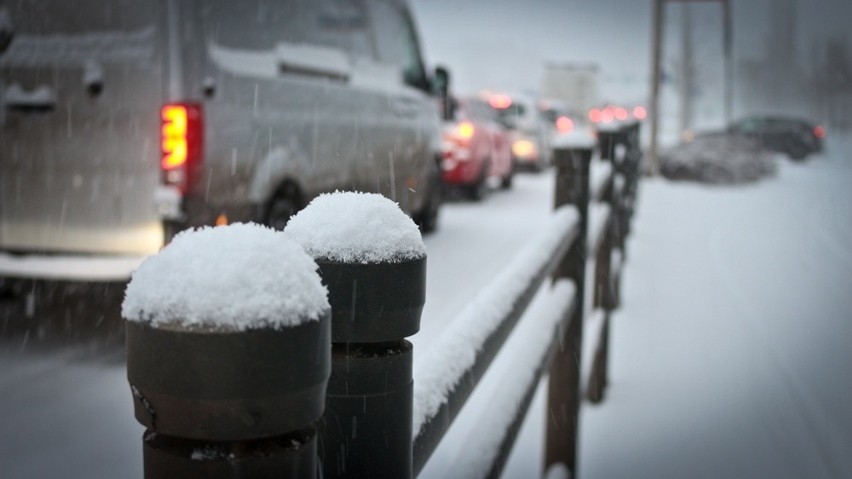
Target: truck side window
[(343, 24), (396, 42), (262, 24), (255, 24)]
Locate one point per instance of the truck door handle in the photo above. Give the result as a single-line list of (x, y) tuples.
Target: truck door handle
[(40, 99)]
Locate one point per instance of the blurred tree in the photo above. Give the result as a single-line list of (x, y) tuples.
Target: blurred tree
[(832, 81)]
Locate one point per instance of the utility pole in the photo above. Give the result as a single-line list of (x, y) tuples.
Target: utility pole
[(657, 48), (656, 75), (687, 71)]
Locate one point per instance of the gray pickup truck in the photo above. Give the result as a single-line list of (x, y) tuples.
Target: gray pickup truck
[(124, 121)]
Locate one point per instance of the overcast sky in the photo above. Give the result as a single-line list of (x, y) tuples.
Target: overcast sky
[(503, 44)]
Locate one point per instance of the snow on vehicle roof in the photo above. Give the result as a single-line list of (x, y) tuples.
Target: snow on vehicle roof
[(237, 277), (352, 227)]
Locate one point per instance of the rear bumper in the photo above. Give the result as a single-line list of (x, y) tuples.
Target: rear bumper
[(455, 172), (68, 267)]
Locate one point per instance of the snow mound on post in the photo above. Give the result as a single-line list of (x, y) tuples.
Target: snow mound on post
[(578, 139), (351, 227), (237, 277)]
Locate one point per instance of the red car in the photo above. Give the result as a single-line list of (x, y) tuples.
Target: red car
[(476, 148)]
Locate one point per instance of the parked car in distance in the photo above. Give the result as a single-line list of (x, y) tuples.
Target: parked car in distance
[(475, 148), (795, 137), (529, 131), (125, 122)]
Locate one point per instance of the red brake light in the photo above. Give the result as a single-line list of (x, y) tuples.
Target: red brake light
[(621, 114), (595, 115), (180, 143), (819, 132), (564, 124), (640, 113), (500, 102)]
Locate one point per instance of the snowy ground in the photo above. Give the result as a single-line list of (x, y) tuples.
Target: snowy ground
[(730, 356)]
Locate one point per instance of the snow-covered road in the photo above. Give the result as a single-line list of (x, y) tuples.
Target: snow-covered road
[(730, 355)]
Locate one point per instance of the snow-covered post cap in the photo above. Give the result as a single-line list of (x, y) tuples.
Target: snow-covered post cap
[(372, 259), (228, 336), (351, 227), (579, 138), (232, 278)]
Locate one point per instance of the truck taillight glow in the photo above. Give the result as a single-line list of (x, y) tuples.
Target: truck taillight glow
[(181, 143), (174, 136)]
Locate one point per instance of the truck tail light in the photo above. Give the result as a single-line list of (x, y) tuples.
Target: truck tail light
[(181, 144), (819, 132)]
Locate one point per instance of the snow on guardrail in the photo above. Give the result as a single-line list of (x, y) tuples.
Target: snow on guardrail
[(599, 175), (529, 348), (455, 351)]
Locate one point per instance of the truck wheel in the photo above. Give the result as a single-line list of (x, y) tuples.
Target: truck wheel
[(280, 209), (427, 218)]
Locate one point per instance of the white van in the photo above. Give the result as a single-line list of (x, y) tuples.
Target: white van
[(124, 121)]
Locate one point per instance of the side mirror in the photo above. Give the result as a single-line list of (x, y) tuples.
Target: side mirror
[(441, 82), (6, 29), (441, 86)]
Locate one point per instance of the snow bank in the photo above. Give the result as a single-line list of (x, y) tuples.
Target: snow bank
[(237, 277), (353, 227), (529, 345), (717, 158), (454, 352)]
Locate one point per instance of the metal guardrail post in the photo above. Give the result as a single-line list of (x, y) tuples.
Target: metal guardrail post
[(572, 187), (367, 427), (372, 259), (221, 401), (225, 405)]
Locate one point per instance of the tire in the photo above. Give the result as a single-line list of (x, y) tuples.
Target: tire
[(427, 218), (281, 208), (506, 182), (479, 190)]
